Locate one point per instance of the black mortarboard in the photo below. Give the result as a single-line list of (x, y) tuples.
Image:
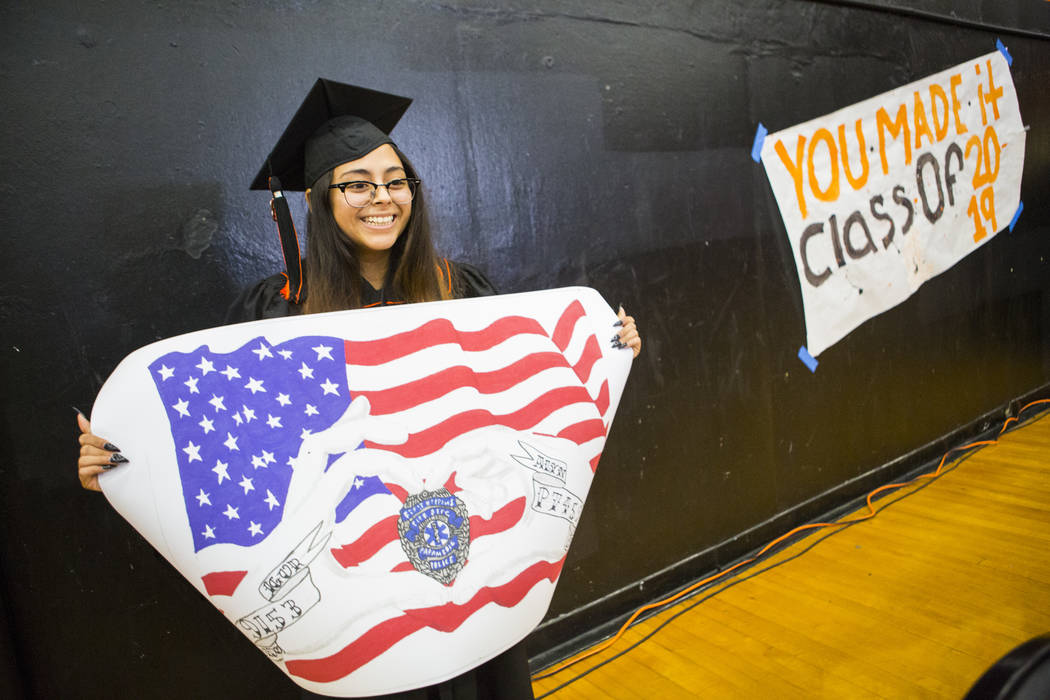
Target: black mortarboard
[(336, 123)]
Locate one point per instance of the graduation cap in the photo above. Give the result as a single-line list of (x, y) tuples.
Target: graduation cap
[(336, 123)]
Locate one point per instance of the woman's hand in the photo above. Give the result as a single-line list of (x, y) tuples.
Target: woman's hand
[(96, 455), (627, 336)]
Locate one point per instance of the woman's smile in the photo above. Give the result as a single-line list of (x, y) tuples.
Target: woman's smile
[(380, 222)]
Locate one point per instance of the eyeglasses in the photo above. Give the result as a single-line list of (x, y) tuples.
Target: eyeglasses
[(361, 193)]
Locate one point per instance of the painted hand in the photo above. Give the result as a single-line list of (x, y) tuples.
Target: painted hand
[(627, 336), (96, 455)]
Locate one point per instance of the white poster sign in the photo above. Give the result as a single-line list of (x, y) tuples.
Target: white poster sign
[(378, 499), (880, 196)]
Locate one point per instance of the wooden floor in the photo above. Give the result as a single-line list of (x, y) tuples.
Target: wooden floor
[(916, 602)]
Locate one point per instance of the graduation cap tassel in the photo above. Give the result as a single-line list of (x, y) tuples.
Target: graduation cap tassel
[(293, 262)]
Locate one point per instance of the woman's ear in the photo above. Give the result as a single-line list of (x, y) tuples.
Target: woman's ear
[(307, 195)]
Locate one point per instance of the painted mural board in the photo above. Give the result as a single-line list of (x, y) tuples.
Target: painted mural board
[(378, 499), (880, 196)]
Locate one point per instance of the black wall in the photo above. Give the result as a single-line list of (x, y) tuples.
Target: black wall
[(563, 143)]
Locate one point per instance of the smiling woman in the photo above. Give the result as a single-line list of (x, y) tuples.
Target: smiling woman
[(369, 234), (368, 230), (369, 244)]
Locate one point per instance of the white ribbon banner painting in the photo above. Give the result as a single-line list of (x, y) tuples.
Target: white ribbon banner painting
[(377, 499), (881, 196)]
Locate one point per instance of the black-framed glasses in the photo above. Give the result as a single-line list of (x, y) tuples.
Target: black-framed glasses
[(361, 193)]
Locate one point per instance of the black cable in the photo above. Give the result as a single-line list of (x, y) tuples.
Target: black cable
[(936, 17), (837, 528)]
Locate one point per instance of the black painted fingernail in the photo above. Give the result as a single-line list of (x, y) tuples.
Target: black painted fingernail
[(615, 338), (118, 458), (618, 323), (111, 447)]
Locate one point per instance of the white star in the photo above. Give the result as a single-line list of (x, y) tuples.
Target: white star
[(293, 462), (246, 484), (231, 512), (330, 388), (273, 421), (254, 385), (258, 462), (286, 354), (207, 424), (262, 351), (268, 456), (306, 372), (231, 373), (202, 498), (192, 384), (323, 351), (194, 452), (305, 434), (358, 483), (237, 418), (205, 366), (254, 529), (181, 407), (208, 533), (220, 470), (231, 442), (271, 500), (283, 399), (216, 401), (165, 373), (249, 414), (310, 410)]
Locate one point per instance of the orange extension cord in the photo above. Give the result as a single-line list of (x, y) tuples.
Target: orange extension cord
[(802, 528)]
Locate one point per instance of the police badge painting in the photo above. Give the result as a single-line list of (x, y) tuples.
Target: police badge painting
[(357, 489)]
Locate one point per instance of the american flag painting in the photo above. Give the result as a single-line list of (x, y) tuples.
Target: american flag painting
[(388, 503)]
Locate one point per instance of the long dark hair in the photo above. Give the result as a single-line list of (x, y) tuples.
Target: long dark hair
[(333, 271)]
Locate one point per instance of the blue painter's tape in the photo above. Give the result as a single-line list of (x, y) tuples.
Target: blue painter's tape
[(760, 138), (1017, 215), (807, 359), (1006, 54)]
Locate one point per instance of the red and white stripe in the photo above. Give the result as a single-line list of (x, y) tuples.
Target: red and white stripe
[(513, 373)]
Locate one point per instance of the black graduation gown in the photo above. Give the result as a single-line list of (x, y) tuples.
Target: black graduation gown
[(264, 300), (505, 677)]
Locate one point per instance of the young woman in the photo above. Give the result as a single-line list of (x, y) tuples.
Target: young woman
[(369, 244)]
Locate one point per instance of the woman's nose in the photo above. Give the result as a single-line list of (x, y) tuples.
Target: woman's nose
[(380, 194)]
